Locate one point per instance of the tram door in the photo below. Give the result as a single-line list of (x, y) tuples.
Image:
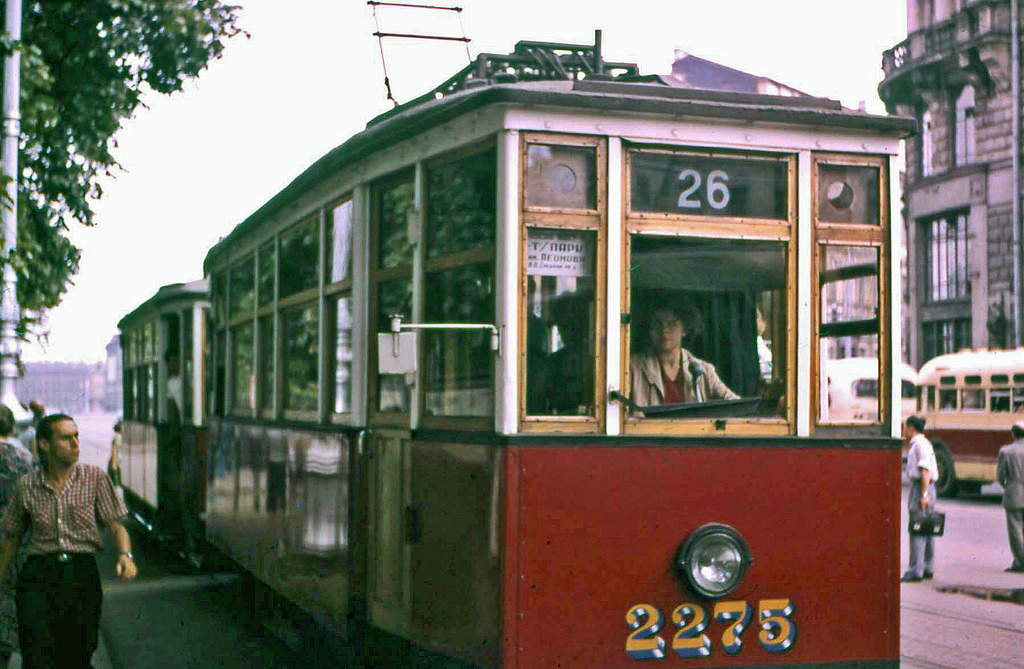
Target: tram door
[(393, 211), (389, 519)]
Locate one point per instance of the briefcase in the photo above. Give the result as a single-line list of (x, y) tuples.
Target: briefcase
[(927, 523)]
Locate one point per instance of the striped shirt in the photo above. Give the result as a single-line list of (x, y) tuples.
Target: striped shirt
[(68, 520)]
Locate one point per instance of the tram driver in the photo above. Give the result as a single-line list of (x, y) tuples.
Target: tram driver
[(667, 373)]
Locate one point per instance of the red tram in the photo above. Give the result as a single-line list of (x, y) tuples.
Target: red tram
[(427, 358)]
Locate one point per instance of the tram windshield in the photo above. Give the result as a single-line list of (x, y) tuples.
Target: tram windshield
[(708, 327)]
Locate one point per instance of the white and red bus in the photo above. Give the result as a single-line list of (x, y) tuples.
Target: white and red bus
[(852, 386), (969, 401)]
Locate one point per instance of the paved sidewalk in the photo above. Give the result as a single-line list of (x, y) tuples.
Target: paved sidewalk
[(977, 571)]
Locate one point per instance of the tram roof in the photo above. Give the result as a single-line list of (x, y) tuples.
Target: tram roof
[(648, 95), (199, 288)]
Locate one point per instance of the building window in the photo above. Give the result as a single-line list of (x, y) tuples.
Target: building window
[(927, 148), (945, 257), (964, 127), (947, 336)]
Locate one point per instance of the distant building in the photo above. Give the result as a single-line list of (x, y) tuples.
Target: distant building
[(953, 74), (693, 72), (59, 386), (75, 387)]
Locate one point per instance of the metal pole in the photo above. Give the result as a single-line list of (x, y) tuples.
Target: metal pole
[(1018, 292), (9, 313)]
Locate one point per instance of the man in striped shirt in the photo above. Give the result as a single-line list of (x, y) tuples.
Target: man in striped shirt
[(58, 593)]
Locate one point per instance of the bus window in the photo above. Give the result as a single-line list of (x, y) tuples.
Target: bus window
[(947, 399), (699, 334), (974, 399), (866, 388), (1000, 400), (1018, 399)]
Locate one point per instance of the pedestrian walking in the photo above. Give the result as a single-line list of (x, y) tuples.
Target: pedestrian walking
[(62, 506), (27, 436), (114, 463), (1010, 472), (15, 461), (922, 470)]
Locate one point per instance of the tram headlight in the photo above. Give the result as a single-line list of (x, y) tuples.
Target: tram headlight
[(713, 560)]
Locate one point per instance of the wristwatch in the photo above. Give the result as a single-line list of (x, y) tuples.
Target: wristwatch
[(129, 554)]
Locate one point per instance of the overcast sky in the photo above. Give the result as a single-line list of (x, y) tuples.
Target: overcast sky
[(198, 163)]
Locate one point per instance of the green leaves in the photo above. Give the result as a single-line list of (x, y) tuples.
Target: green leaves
[(84, 67)]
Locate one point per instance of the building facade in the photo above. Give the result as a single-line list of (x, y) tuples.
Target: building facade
[(953, 74)]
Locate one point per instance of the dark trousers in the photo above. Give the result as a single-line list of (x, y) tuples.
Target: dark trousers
[(59, 597)]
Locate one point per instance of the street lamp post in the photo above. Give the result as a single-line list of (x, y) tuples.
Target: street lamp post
[(9, 313)]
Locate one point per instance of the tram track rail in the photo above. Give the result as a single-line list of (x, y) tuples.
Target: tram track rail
[(978, 620)]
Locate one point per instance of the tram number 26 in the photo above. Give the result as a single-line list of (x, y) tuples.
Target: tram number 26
[(777, 633), (716, 189)]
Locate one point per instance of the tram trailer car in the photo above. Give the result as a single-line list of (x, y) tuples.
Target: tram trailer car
[(433, 417), (164, 435)]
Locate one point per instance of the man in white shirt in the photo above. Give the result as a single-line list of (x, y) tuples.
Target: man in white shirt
[(922, 470), (1010, 472)]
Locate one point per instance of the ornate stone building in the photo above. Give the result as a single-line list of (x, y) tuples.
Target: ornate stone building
[(953, 74)]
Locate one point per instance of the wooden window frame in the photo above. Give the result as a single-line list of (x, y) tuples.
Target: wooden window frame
[(377, 276), (666, 224), (455, 260), (869, 235), (552, 218)]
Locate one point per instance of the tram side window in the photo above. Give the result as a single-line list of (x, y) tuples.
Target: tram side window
[(338, 290), (848, 278), (298, 282), (700, 334), (341, 323), (149, 398), (241, 305), (299, 358), (128, 392), (265, 344), (242, 282), (243, 370), (219, 373), (217, 324), (265, 273), (460, 236), (1018, 399), (300, 253), (392, 200), (560, 327)]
